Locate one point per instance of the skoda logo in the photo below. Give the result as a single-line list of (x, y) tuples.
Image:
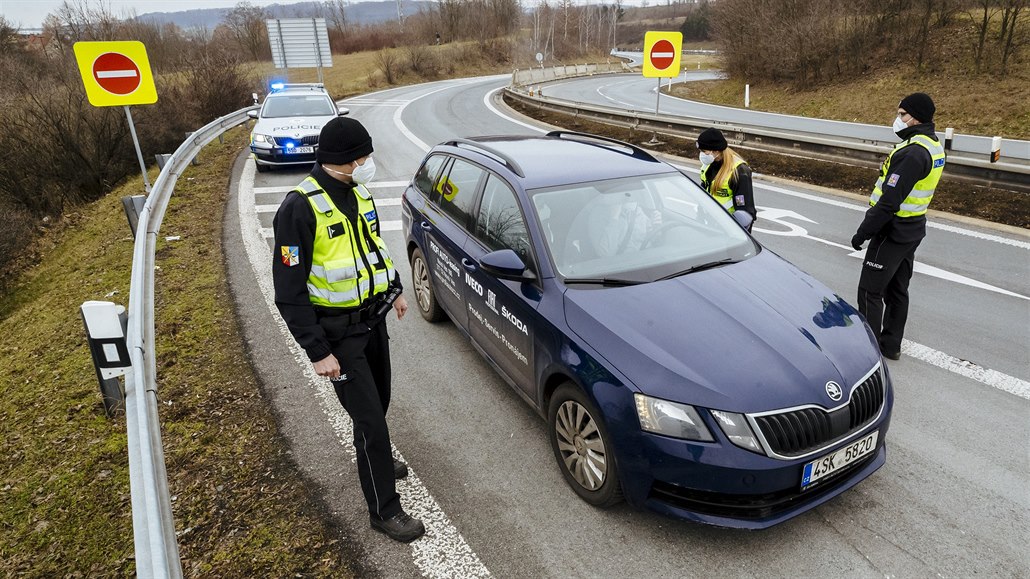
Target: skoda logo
[(833, 391)]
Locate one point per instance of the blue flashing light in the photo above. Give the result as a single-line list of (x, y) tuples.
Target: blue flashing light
[(278, 86), (290, 145)]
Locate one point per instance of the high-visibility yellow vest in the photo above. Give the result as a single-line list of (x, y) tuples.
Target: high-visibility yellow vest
[(345, 270), (919, 198), (724, 194)]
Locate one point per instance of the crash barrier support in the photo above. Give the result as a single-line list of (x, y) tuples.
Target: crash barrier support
[(962, 166), (156, 550)]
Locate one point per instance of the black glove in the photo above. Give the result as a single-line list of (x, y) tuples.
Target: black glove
[(857, 241)]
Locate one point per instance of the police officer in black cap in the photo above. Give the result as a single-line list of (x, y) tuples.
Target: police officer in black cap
[(896, 221), (334, 284), (725, 175)]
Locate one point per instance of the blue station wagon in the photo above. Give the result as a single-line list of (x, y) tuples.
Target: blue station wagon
[(679, 364)]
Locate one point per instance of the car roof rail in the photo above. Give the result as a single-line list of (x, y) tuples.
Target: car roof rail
[(489, 152), (637, 151)]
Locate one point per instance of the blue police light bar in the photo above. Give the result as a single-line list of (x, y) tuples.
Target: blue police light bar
[(277, 86)]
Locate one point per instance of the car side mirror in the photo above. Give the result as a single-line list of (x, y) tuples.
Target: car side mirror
[(252, 114), (505, 264), (744, 219), (341, 111)]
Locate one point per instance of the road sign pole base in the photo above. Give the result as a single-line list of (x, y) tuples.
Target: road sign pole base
[(654, 140)]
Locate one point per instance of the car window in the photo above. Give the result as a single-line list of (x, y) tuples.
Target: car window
[(457, 190), (427, 173), (298, 106), (500, 224), (649, 226)]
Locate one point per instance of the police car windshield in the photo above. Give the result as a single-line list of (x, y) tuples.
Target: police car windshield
[(640, 228), (297, 106)]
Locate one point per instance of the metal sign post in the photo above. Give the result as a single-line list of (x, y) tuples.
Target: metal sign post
[(662, 53), (139, 153)]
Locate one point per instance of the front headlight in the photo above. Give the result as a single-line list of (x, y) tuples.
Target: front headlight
[(736, 428), (267, 139), (671, 419)]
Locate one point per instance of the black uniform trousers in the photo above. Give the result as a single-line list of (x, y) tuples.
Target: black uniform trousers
[(883, 289), (364, 391)]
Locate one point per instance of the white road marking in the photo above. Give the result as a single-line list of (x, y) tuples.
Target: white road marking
[(933, 224), (400, 124), (494, 110), (1009, 384), (442, 552), (778, 216)]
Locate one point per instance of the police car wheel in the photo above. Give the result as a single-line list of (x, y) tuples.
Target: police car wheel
[(423, 284), (262, 168), (582, 447)]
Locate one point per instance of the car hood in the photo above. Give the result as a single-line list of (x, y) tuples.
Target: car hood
[(746, 337), (295, 127)]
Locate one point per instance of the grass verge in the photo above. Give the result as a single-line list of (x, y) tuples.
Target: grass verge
[(240, 505)]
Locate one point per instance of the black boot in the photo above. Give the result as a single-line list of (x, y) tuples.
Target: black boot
[(399, 527), (400, 470)]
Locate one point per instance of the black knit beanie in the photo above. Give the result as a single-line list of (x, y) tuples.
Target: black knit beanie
[(711, 140), (343, 140), (919, 105)]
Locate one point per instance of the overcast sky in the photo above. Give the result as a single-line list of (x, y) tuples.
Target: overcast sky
[(30, 13)]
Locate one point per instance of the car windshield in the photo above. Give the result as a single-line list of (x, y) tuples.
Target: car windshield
[(640, 229), (298, 106)]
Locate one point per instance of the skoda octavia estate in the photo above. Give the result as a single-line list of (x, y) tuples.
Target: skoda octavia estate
[(679, 364)]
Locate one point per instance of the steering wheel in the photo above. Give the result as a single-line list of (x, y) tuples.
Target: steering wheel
[(658, 233)]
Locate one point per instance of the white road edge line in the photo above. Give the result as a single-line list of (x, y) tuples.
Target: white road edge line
[(400, 110), (1009, 384), (442, 552)]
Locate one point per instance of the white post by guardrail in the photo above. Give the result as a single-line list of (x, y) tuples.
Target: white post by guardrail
[(995, 149), (156, 550)]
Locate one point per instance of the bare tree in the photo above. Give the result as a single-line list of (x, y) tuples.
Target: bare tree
[(1011, 36), (980, 20), (246, 23)]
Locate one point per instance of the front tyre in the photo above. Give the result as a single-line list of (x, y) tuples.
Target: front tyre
[(582, 447), (424, 295)]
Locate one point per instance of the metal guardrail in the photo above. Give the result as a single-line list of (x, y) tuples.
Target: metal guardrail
[(527, 76), (156, 549), (961, 166)]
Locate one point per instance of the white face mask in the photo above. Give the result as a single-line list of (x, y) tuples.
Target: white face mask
[(706, 159), (364, 173), (899, 125)]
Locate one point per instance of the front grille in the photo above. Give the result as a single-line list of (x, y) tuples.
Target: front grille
[(751, 506), (303, 141), (800, 431)]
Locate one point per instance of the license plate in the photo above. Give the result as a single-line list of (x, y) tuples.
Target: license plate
[(298, 150), (831, 463)]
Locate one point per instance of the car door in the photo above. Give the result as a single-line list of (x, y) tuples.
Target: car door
[(447, 218), (503, 316)]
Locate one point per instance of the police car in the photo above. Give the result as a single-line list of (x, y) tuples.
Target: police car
[(288, 124), (679, 364)]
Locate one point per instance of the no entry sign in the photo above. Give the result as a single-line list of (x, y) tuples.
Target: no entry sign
[(116, 73), (662, 54)]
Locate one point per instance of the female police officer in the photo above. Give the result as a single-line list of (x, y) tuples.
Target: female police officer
[(334, 280), (725, 174)]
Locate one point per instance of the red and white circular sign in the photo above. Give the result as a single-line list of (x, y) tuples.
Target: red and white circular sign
[(116, 73), (662, 54)]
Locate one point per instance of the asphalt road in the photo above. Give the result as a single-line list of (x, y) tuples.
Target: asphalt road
[(952, 500), (634, 92)]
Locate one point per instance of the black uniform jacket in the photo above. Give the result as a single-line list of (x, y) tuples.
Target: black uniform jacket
[(911, 164), (294, 227), (740, 183)]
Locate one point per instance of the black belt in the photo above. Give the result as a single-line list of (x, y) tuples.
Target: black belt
[(364, 314)]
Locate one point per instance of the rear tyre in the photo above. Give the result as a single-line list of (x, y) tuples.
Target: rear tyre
[(425, 297), (582, 447)]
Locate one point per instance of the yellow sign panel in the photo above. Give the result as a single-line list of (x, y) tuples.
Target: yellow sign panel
[(662, 52), (116, 73)]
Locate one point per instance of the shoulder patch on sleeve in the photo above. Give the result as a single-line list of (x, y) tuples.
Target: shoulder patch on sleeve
[(893, 179), (290, 255)]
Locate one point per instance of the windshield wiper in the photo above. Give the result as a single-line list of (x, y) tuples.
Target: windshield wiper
[(603, 281), (703, 266)]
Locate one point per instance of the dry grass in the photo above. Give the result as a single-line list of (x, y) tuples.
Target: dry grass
[(240, 504)]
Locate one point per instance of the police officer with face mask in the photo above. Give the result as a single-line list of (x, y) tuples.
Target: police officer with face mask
[(896, 221), (334, 284)]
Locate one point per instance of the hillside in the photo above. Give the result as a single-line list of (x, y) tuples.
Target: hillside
[(358, 13)]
